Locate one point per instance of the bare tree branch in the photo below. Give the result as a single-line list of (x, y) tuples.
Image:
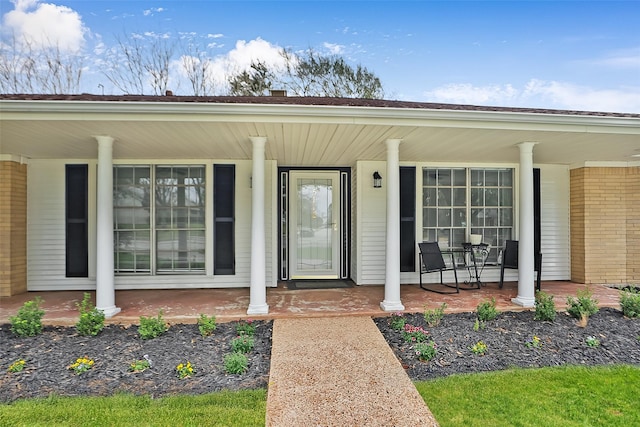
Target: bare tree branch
[(198, 69), (23, 69), (127, 67), (157, 62)]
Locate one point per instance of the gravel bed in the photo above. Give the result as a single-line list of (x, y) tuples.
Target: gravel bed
[(563, 342), (48, 355)]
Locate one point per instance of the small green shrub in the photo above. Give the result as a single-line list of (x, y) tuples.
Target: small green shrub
[(426, 351), (630, 303), (81, 365), (487, 310), (592, 341), (236, 363), (242, 344), (140, 365), (17, 366), (583, 306), (206, 325), (479, 348), (245, 327), (545, 307), (91, 321), (397, 321), (152, 327), (534, 342), (434, 316), (415, 334), (185, 370), (28, 321)]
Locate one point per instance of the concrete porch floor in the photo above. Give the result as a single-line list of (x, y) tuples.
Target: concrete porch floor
[(185, 305)]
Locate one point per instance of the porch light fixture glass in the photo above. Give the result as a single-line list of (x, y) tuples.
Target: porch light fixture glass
[(377, 180)]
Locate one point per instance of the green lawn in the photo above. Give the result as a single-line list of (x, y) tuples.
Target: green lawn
[(242, 408), (564, 396)]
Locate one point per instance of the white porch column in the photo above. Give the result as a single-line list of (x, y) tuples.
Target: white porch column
[(105, 287), (526, 282), (392, 276), (258, 290)]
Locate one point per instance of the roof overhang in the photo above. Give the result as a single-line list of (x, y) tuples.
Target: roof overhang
[(318, 135)]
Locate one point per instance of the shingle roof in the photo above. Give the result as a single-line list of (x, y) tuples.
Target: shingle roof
[(294, 100)]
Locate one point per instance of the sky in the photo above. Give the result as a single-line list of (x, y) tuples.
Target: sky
[(582, 55)]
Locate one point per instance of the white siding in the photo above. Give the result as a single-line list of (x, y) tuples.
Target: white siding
[(555, 220), (46, 231), (46, 228), (554, 226), (371, 218)]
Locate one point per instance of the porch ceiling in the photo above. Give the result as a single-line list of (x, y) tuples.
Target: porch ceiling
[(309, 135)]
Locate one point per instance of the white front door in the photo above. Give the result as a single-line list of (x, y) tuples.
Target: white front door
[(314, 224)]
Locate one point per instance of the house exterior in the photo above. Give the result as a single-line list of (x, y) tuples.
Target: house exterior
[(144, 192)]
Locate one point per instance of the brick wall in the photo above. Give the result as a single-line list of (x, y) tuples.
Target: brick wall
[(633, 225), (604, 225), (577, 225), (13, 228)]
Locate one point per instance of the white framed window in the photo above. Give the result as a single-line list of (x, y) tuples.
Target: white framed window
[(458, 202), (159, 219)]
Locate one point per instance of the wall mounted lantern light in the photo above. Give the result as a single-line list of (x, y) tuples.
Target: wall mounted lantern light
[(377, 180)]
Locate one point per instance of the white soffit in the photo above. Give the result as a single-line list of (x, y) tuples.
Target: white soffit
[(308, 134)]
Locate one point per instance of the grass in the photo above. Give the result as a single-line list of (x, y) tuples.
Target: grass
[(562, 396), (565, 396), (227, 408)]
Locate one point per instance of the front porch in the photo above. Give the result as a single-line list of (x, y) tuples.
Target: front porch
[(185, 305)]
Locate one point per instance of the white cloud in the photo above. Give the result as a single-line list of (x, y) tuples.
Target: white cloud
[(245, 52), (334, 49), (466, 93), (570, 96), (540, 94), (153, 10), (234, 61), (154, 35), (621, 59), (45, 25)]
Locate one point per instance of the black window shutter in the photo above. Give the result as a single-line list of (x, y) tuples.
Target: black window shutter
[(407, 219), (76, 221), (224, 177), (536, 211)]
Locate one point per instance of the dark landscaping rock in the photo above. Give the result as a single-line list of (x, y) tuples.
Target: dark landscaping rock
[(48, 356), (563, 342)]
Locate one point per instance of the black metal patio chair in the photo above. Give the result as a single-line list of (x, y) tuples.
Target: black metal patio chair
[(510, 260), (432, 261)]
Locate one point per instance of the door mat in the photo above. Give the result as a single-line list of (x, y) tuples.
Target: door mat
[(319, 284)]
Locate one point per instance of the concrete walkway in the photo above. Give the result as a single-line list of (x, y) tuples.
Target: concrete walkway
[(339, 371)]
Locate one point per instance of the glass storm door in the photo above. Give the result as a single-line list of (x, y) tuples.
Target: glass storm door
[(314, 217)]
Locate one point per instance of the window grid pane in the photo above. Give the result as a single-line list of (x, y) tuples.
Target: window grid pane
[(449, 220), (131, 219), (444, 205), (159, 214), (492, 213), (180, 228)]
